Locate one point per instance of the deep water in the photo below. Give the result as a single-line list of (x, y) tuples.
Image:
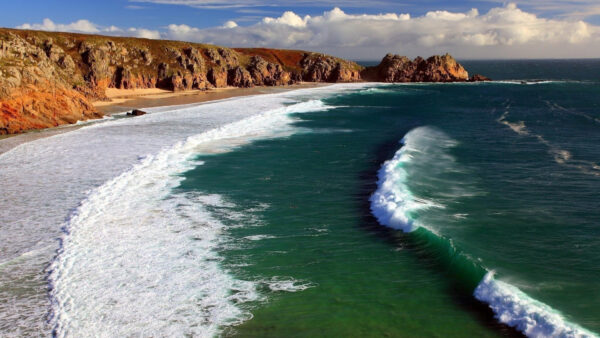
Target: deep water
[(499, 176)]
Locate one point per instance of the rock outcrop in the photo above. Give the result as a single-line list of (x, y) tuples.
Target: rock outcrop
[(325, 68), (48, 79), (37, 84), (265, 73), (396, 68), (479, 78)]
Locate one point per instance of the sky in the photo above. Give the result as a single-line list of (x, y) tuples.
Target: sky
[(354, 29)]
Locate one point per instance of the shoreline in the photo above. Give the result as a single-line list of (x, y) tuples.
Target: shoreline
[(123, 100)]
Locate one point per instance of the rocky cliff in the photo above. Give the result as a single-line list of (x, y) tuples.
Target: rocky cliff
[(396, 68), (48, 79)]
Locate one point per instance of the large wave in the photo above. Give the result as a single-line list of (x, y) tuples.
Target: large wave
[(395, 206), (138, 259)]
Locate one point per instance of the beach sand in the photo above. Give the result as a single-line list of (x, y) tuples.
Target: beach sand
[(123, 100)]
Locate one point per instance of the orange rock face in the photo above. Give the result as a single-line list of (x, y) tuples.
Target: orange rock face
[(48, 79), (396, 68), (36, 108)]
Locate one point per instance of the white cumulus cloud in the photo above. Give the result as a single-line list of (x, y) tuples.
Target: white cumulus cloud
[(502, 32), (80, 26), (144, 33), (87, 27)]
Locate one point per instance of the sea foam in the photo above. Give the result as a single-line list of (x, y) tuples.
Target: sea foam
[(138, 260), (50, 177), (395, 206)]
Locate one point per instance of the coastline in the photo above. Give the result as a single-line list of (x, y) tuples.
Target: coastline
[(123, 100), (54, 176)]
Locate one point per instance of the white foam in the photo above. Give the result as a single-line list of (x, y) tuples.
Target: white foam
[(393, 204), (534, 82), (51, 176), (259, 237), (518, 310), (140, 262), (518, 127), (287, 284), (137, 260), (560, 156)]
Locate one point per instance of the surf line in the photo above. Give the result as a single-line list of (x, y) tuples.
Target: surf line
[(395, 206), (134, 246)]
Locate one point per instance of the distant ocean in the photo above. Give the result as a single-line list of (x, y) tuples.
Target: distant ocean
[(349, 210)]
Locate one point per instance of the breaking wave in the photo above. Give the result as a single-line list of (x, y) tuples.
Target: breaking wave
[(137, 259), (395, 206)]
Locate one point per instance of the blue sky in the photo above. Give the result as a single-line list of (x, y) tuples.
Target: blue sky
[(151, 15), (495, 28)]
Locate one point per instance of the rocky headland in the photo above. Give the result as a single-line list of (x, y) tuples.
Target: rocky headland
[(49, 79)]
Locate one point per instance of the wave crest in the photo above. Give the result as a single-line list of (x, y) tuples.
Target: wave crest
[(394, 205)]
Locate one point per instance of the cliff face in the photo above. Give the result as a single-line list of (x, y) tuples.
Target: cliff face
[(396, 68), (48, 79)]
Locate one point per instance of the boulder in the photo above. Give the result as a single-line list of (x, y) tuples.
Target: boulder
[(136, 112)]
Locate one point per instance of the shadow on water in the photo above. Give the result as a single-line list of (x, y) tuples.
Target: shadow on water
[(418, 245)]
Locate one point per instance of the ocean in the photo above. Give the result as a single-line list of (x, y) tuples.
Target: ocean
[(464, 209)]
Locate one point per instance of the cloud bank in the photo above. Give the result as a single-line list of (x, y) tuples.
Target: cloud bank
[(87, 27), (501, 32)]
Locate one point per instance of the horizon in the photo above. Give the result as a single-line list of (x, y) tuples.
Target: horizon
[(467, 29)]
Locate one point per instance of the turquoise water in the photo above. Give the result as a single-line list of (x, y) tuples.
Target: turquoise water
[(496, 177)]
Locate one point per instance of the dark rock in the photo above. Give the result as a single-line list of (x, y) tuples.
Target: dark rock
[(478, 78), (136, 112)]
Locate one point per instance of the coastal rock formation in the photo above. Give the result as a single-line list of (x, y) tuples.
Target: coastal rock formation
[(48, 79), (266, 73), (239, 77), (324, 68), (37, 87), (479, 78), (396, 68)]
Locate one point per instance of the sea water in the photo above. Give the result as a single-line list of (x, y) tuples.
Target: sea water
[(351, 210)]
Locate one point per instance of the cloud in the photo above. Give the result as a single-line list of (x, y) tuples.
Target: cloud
[(80, 26), (572, 9), (501, 32), (144, 33), (508, 29), (222, 4), (230, 24), (87, 27)]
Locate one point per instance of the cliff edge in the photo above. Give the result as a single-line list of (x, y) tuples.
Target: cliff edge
[(48, 78)]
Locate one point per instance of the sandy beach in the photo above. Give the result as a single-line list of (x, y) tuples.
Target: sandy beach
[(122, 100)]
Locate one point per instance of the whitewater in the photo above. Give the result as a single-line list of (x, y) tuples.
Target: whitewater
[(89, 219), (427, 150)]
